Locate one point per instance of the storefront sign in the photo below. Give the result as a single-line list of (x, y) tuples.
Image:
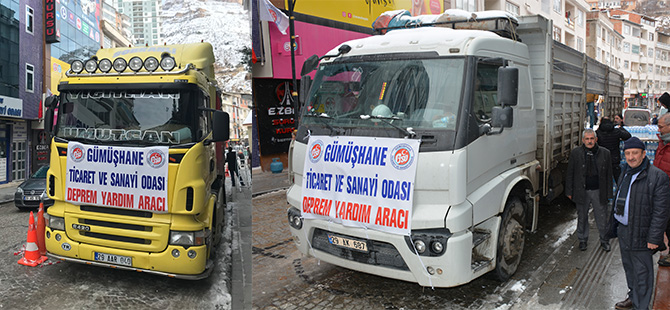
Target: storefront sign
[(276, 115), (50, 26), (11, 107), (360, 182)]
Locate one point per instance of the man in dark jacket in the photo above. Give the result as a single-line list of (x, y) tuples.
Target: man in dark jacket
[(231, 159), (610, 137), (641, 211), (589, 183), (662, 161)]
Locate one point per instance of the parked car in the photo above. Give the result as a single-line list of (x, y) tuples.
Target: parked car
[(33, 191)]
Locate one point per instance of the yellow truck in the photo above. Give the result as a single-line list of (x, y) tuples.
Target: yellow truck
[(136, 167)]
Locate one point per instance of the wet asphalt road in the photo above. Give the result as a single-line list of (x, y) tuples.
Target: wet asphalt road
[(76, 286), (284, 279)]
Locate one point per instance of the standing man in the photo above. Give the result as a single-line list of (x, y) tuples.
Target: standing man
[(641, 212), (589, 183), (662, 161), (231, 159), (610, 138)]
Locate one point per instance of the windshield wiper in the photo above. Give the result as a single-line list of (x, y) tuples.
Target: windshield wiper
[(409, 132), (323, 117)]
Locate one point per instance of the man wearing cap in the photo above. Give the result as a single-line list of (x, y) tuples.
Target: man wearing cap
[(640, 214), (589, 183)]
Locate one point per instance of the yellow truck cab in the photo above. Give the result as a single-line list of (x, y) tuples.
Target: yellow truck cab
[(136, 169)]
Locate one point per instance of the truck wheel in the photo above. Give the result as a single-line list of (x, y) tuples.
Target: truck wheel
[(510, 239)]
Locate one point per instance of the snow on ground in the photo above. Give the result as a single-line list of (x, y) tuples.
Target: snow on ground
[(565, 230)]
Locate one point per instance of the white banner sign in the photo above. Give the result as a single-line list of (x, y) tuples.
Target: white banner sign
[(360, 181), (121, 177)]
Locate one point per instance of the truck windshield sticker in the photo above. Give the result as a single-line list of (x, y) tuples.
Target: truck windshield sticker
[(149, 117), (119, 177), (360, 182)]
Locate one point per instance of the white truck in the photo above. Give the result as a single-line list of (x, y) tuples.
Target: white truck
[(496, 111)]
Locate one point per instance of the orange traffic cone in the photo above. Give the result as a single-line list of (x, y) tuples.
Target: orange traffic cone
[(32, 257), (40, 230)]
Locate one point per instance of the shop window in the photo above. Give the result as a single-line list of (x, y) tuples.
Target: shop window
[(18, 160)]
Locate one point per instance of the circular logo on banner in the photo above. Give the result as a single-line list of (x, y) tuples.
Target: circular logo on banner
[(77, 154), (156, 158), (315, 151), (402, 156)]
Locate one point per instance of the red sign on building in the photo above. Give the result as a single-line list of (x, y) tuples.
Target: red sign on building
[(50, 26)]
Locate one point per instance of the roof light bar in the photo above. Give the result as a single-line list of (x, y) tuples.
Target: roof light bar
[(135, 63), (120, 65), (77, 66), (151, 64), (91, 65), (105, 65)]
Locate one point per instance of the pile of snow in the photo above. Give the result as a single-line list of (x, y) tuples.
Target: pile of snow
[(226, 25)]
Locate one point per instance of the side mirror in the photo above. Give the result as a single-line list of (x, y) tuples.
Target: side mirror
[(221, 126), (502, 117), (309, 65), (508, 86), (51, 101), (305, 84)]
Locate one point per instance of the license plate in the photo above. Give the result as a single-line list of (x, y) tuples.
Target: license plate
[(114, 259), (31, 198), (348, 243)]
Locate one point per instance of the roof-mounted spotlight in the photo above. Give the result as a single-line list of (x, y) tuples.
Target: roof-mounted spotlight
[(135, 63), (120, 64), (77, 66), (91, 65), (151, 63), (105, 65), (167, 62)]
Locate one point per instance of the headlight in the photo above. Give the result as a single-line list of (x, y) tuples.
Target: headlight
[(420, 246), (77, 66), (44, 195), (135, 64), (19, 190), (54, 222), (151, 63), (294, 218), (187, 238), (105, 65), (91, 65), (120, 64), (168, 63)]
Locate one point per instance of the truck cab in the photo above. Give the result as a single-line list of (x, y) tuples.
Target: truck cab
[(136, 163)]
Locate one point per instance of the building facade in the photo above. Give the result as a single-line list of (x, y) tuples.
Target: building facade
[(145, 20)]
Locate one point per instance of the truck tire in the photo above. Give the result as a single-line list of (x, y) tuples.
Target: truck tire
[(511, 239)]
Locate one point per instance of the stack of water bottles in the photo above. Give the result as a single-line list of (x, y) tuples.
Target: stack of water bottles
[(648, 136)]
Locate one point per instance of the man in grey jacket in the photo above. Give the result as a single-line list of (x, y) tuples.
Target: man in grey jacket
[(589, 183), (641, 211)]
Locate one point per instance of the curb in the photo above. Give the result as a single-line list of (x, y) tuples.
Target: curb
[(269, 191)]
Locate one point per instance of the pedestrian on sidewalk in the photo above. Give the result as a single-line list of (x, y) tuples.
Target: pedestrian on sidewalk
[(589, 184), (662, 161), (231, 159), (640, 215), (610, 138)]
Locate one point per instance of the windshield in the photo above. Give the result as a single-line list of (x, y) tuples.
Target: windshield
[(145, 117), (419, 94), (41, 173)]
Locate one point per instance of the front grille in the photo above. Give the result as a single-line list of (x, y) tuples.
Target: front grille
[(120, 228), (379, 253)]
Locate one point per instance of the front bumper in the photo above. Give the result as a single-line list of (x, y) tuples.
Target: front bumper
[(452, 268), (161, 263)]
